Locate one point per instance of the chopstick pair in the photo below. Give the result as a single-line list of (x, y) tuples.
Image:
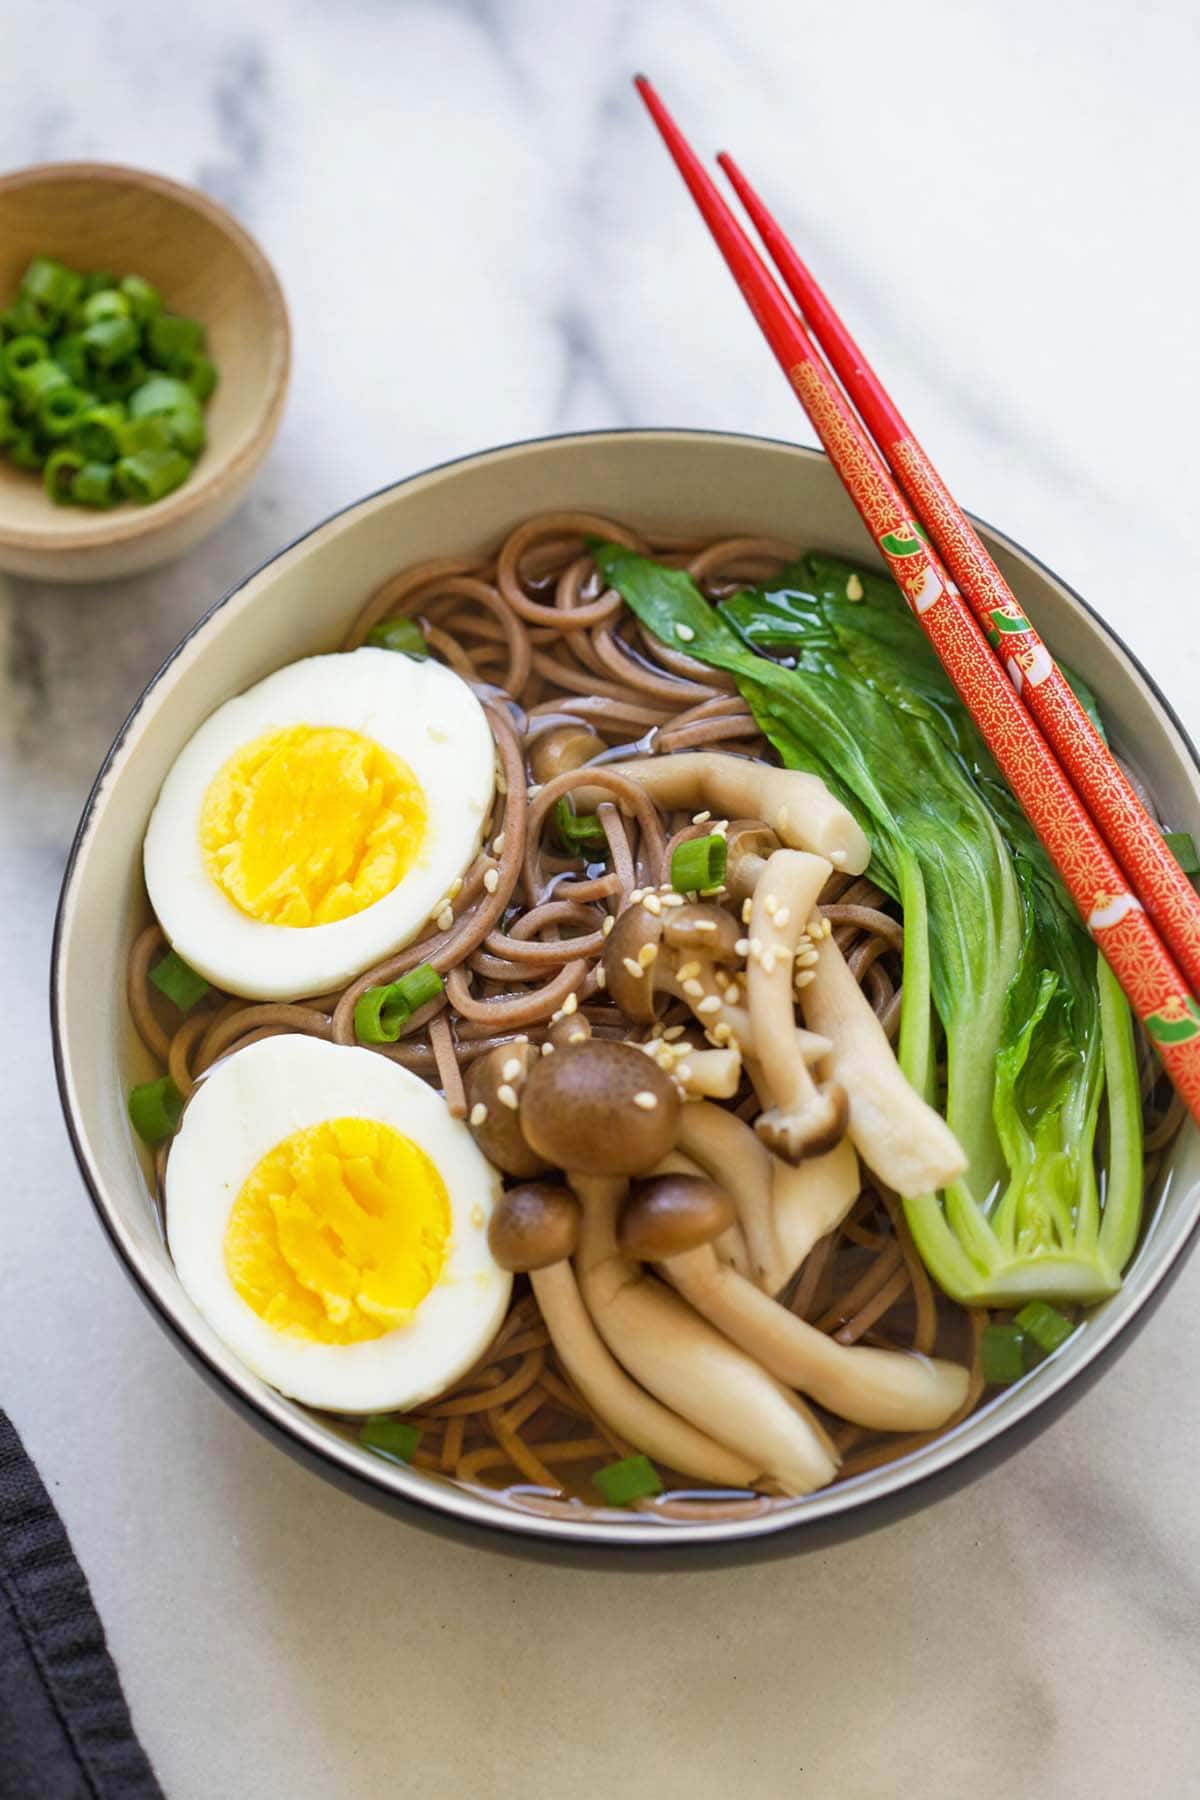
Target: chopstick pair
[(1122, 922)]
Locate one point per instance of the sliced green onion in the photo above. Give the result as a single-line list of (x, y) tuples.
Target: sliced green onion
[(144, 434), (1182, 846), (1044, 1324), (581, 834), (97, 281), (23, 450), (95, 485), (622, 1482), (119, 379), (51, 285), (698, 863), (21, 353), (109, 303), (1005, 1354), (399, 634), (58, 476), (199, 372), (71, 357), (25, 315), (155, 1109), (97, 436), (169, 339), (161, 394), (144, 299), (178, 981), (390, 1437), (110, 340), (31, 385), (152, 474), (60, 410), (382, 1012)]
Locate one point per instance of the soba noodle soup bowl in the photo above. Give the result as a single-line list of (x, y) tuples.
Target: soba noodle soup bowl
[(301, 602)]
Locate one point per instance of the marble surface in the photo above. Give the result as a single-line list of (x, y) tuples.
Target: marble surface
[(480, 241)]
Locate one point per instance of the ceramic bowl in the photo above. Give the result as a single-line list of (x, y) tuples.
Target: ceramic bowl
[(301, 602), (97, 215)]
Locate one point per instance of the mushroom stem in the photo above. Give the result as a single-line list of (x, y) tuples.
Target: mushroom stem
[(728, 1150), (810, 1200), (884, 1390), (899, 1136), (803, 1119), (688, 1365), (626, 1408), (797, 806)]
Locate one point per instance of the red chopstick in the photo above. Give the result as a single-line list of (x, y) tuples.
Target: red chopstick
[(1132, 835), (1116, 920)]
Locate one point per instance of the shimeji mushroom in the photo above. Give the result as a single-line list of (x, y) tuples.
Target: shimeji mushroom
[(533, 1231), (798, 807), (898, 1135), (805, 1118), (674, 1220), (493, 1084), (687, 952)]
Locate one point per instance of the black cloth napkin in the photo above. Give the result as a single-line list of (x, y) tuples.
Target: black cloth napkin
[(65, 1730)]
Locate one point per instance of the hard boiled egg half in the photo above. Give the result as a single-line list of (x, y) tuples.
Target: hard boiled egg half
[(312, 825), (328, 1218)]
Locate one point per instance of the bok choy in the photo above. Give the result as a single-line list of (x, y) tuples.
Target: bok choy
[(1003, 989)]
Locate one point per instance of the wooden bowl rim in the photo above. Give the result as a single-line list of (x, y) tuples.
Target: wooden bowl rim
[(225, 472)]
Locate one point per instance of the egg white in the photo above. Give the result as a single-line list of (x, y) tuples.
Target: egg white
[(418, 710), (247, 1105)]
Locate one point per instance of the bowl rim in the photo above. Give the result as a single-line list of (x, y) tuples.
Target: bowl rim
[(206, 486), (445, 1506)]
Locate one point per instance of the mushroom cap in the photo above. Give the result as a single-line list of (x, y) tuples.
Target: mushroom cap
[(795, 1136), (572, 1028), (600, 1108), (748, 843), (672, 1213), (563, 748), (533, 1226), (636, 929), (698, 929), (498, 1132)]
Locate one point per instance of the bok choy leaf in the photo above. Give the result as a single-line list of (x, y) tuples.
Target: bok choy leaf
[(1001, 982)]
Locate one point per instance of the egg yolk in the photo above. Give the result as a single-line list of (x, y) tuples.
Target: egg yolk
[(339, 1232), (311, 823)]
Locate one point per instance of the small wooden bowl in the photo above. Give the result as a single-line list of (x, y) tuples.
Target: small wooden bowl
[(101, 216)]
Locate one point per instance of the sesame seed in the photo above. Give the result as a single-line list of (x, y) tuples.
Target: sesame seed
[(673, 900), (646, 1100), (522, 1037), (547, 1048), (710, 1004), (512, 1069), (742, 946), (733, 994), (684, 633), (701, 818), (854, 588), (636, 895), (479, 1114), (704, 924), (720, 829), (807, 959), (647, 954), (688, 970), (632, 968), (673, 1032), (770, 906), (570, 1004), (708, 893), (684, 1072), (607, 925), (782, 916), (498, 844), (445, 919), (601, 977), (723, 1034), (455, 888), (756, 946), (491, 880), (747, 910), (805, 976), (768, 962), (653, 905), (578, 1036), (506, 1096), (693, 989)]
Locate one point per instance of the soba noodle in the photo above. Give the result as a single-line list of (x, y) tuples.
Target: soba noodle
[(520, 937)]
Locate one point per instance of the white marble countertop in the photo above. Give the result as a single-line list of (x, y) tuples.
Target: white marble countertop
[(481, 241)]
